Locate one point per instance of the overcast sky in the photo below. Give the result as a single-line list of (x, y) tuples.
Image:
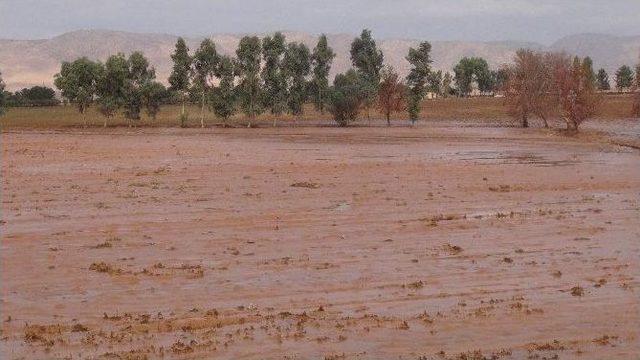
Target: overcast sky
[(541, 21)]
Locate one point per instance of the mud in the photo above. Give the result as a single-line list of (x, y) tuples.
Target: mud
[(362, 243)]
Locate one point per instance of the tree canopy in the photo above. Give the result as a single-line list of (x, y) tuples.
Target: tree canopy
[(78, 81), (204, 63), (602, 80), (297, 65), (624, 78), (273, 73), (223, 96), (250, 89), (470, 70), (419, 76), (2, 96), (391, 95), (321, 60), (346, 97)]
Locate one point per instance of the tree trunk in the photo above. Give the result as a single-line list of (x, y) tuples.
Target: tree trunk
[(202, 112), (525, 121), (105, 122), (544, 118), (84, 118), (388, 119), (182, 124), (572, 125)]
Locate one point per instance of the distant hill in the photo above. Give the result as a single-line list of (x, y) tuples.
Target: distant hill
[(34, 62)]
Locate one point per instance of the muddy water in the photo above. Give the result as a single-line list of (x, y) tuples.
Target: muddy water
[(393, 243)]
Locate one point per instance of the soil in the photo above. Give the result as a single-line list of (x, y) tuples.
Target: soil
[(358, 243)]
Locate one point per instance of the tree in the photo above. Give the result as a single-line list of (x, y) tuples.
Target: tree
[(77, 81), (179, 79), (391, 95), (575, 94), (205, 61), (33, 96), (587, 63), (111, 87), (297, 66), (273, 74), (470, 70), (624, 78), (420, 61), (248, 69), (2, 96), (602, 80), (140, 76), (500, 76), (223, 96), (153, 95), (346, 97), (321, 60), (527, 87), (447, 79), (367, 60), (434, 82), (636, 98)]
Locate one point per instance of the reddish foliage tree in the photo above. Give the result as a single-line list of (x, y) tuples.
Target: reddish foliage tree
[(574, 92), (391, 94), (528, 86)]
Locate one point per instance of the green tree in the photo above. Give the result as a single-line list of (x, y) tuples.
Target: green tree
[(249, 88), (368, 61), (447, 80), (417, 80), (77, 81), (3, 99), (321, 60), (434, 82), (112, 84), (139, 77), (500, 77), (346, 97), (205, 61), (297, 65), (35, 96), (589, 74), (223, 96), (470, 70), (273, 74), (602, 80), (153, 95), (180, 75), (638, 76), (624, 78)]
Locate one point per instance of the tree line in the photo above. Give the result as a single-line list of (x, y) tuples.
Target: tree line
[(30, 97), (276, 76)]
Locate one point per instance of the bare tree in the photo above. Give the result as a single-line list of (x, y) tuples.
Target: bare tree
[(527, 87), (391, 93), (573, 90)]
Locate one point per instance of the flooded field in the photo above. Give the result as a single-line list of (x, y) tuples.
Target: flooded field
[(358, 243)]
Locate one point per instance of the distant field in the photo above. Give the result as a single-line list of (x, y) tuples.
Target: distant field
[(615, 107)]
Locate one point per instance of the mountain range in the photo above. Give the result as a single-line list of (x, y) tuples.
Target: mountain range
[(26, 63)]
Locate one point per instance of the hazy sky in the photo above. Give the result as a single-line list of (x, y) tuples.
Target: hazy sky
[(531, 20)]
